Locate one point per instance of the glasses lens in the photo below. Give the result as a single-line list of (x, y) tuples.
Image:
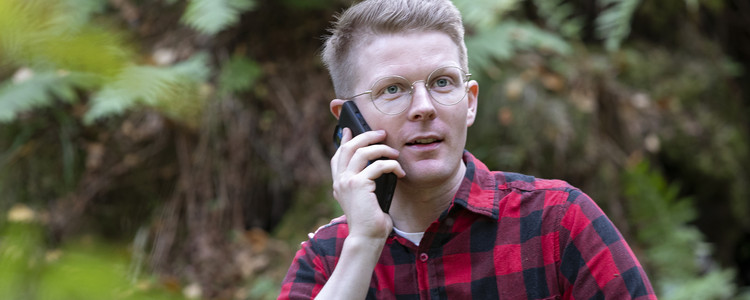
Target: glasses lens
[(391, 94), (447, 85)]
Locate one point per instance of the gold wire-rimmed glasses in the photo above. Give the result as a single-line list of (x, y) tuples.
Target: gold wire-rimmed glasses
[(392, 95)]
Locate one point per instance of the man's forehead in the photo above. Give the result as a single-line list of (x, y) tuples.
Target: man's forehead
[(406, 54)]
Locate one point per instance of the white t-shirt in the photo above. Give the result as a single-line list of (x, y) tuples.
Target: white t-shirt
[(414, 237)]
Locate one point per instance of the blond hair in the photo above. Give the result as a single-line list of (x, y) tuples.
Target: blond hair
[(367, 19)]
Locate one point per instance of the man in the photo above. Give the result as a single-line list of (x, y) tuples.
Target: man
[(455, 229)]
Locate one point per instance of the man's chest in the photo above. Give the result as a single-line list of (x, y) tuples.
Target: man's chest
[(483, 260)]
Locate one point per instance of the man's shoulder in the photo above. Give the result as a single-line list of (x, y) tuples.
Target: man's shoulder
[(336, 228), (496, 191), (327, 239), (503, 180), (538, 193), (518, 181)]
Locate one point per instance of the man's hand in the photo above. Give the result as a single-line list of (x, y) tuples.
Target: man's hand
[(354, 185), (369, 226)]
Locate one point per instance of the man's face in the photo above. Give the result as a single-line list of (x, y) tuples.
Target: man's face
[(429, 136)]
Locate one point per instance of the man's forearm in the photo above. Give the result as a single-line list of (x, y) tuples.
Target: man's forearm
[(353, 273)]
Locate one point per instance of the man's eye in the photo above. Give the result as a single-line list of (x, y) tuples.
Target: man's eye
[(442, 84), (392, 89)]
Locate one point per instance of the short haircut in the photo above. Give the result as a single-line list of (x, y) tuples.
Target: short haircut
[(365, 20)]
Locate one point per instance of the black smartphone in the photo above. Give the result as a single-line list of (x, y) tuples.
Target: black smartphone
[(350, 117)]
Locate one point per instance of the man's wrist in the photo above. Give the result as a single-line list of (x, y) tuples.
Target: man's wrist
[(364, 243), (364, 249)]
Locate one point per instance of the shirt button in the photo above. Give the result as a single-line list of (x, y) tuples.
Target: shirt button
[(423, 257)]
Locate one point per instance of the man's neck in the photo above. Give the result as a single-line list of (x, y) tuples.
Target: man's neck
[(415, 206)]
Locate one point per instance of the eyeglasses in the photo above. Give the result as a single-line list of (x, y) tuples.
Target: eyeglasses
[(392, 95)]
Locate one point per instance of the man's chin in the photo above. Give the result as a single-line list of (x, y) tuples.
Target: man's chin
[(428, 172)]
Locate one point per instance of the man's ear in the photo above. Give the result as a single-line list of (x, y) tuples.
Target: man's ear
[(336, 107), (473, 99)]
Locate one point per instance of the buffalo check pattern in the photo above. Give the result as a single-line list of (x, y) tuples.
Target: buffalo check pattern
[(505, 236)]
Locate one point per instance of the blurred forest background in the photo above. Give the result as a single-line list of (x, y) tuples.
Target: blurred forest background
[(173, 149)]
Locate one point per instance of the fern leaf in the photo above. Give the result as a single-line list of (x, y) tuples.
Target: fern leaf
[(505, 40), (212, 16), (674, 248), (613, 24), (78, 13), (484, 14), (40, 90), (238, 75), (152, 87), (715, 284), (45, 32), (560, 16)]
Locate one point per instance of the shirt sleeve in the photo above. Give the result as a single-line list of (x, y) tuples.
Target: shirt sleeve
[(306, 275), (314, 261), (595, 260)]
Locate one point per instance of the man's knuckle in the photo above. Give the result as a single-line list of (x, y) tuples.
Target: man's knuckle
[(346, 147)]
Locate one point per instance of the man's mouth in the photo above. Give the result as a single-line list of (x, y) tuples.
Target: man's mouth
[(425, 141)]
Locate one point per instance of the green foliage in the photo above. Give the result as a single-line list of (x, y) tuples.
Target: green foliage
[(20, 253), (485, 14), (39, 90), (613, 24), (697, 92), (308, 4), (51, 34), (212, 16), (264, 288), (79, 12), (714, 285), (172, 90), (238, 75), (560, 15), (67, 55), (81, 270), (498, 35), (675, 250), (509, 38)]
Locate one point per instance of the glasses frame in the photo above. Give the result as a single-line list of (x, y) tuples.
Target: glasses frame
[(466, 75)]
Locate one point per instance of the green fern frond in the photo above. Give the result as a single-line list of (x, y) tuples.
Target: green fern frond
[(238, 75), (46, 33), (78, 12), (613, 24), (82, 270), (212, 16), (508, 38), (484, 14), (154, 87), (560, 16), (38, 91), (94, 50), (716, 284), (674, 248)]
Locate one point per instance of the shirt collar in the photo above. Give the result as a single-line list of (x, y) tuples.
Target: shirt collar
[(482, 190), (478, 191)]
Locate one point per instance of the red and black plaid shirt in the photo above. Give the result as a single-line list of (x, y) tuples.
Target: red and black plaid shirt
[(505, 236)]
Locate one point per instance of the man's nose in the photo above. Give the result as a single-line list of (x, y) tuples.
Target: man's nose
[(422, 107)]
